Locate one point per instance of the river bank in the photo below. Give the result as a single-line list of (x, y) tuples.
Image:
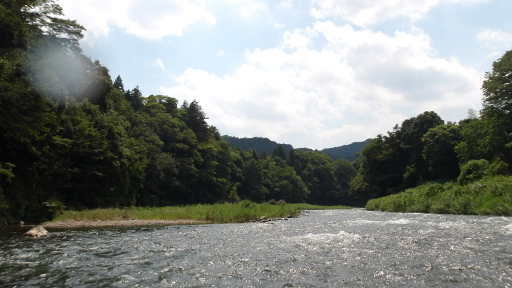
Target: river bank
[(118, 223), (244, 211), (487, 196)]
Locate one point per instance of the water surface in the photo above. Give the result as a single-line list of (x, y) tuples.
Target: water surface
[(336, 248)]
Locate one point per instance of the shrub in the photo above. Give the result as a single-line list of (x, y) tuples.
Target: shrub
[(281, 202), (472, 171), (272, 202), (245, 203)]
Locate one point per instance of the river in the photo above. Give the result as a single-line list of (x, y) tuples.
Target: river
[(334, 248)]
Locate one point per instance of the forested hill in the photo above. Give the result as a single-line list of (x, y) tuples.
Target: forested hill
[(348, 151), (71, 138), (259, 144), (267, 146)]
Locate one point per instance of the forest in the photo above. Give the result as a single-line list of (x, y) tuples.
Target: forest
[(73, 138)]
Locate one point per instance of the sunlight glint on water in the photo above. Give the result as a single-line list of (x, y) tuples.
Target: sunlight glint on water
[(352, 248)]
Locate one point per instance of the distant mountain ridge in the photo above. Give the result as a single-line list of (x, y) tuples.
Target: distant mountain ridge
[(348, 152), (260, 144)]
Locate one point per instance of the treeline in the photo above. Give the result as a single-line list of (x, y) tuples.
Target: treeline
[(426, 149), (73, 138), (262, 146)]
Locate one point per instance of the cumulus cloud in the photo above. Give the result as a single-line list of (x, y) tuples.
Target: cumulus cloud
[(495, 42), (149, 19), (496, 39), (368, 12), (359, 84)]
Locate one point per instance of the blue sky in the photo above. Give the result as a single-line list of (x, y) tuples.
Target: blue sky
[(311, 73)]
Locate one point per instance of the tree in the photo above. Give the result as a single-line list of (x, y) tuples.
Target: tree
[(392, 163), (410, 135), (195, 119), (24, 21), (439, 151), (344, 172), (317, 171), (135, 97), (497, 88), (252, 187), (380, 169), (497, 107), (118, 84), (279, 152)]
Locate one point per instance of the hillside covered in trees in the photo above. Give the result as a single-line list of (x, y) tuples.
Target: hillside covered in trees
[(349, 152), (262, 146), (73, 138)]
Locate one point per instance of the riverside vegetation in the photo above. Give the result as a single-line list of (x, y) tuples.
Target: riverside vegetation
[(488, 196), (243, 211), (73, 139)]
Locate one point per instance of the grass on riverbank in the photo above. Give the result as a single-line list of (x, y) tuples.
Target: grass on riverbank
[(244, 211), (488, 196)]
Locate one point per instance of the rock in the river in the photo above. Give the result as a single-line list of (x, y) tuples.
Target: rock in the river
[(37, 231)]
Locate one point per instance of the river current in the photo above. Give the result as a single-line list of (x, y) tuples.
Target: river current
[(336, 248)]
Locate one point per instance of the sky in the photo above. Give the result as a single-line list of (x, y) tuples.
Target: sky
[(310, 73)]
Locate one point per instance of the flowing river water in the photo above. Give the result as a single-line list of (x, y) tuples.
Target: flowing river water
[(335, 248)]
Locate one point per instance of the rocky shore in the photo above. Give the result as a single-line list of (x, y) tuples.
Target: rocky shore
[(118, 223)]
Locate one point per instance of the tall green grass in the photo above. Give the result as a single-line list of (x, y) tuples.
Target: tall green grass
[(488, 196), (244, 211)]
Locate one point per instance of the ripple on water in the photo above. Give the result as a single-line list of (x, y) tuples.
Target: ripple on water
[(321, 249)]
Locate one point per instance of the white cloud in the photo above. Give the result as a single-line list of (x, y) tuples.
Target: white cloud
[(360, 84), (369, 12), (495, 37), (495, 42), (160, 64), (249, 10), (149, 19)]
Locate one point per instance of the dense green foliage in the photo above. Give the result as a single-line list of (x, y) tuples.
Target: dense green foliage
[(71, 138), (395, 162), (217, 213), (488, 196), (262, 146), (476, 155)]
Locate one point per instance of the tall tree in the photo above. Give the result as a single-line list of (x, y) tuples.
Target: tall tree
[(118, 84), (395, 162), (23, 21), (497, 88), (195, 119), (439, 151), (497, 106)]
